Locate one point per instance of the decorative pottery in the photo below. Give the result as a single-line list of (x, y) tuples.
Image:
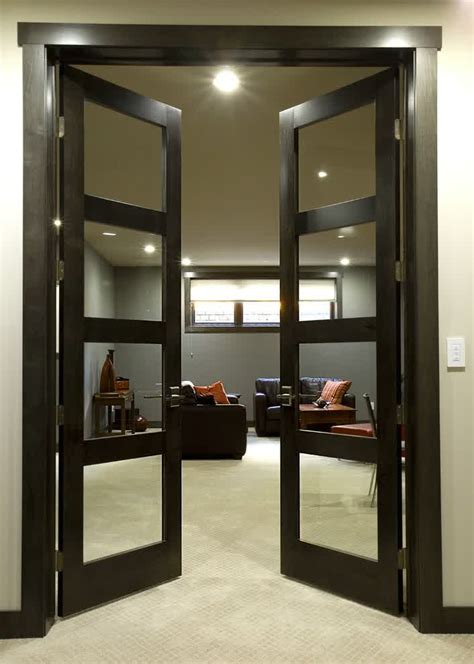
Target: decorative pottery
[(141, 423), (107, 375)]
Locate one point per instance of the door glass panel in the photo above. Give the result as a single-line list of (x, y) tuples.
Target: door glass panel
[(122, 273), (336, 160), (328, 250), (122, 506), (122, 157), (352, 363), (336, 509), (138, 371)]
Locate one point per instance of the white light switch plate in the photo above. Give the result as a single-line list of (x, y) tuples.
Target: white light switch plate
[(456, 351)]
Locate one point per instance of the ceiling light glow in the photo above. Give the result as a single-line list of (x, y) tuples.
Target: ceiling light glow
[(149, 249), (58, 223), (341, 237), (345, 261), (109, 234), (322, 174), (186, 261), (226, 81)]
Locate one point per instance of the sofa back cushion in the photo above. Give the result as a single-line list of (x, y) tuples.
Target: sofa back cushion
[(311, 388), (270, 387)]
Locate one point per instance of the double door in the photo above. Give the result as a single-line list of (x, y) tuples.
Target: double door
[(120, 495)]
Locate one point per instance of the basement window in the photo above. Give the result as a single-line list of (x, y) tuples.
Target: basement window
[(251, 304)]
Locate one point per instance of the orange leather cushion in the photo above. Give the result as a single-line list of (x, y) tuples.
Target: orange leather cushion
[(216, 389), (360, 429), (333, 390)]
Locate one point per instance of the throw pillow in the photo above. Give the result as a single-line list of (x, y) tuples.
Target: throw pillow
[(334, 390), (219, 393), (216, 389)]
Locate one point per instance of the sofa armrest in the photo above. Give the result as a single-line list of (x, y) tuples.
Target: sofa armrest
[(233, 398), (349, 400), (260, 412)]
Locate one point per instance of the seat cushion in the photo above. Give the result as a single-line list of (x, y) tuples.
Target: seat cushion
[(273, 413)]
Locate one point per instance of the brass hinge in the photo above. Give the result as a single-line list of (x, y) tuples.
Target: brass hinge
[(59, 561), (59, 271), (399, 271), (402, 558), (60, 127), (400, 413), (60, 415), (397, 130)]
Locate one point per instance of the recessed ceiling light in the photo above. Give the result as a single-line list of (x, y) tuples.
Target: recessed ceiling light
[(341, 237), (345, 261), (186, 261), (109, 234), (149, 249), (322, 174), (226, 81), (58, 223)]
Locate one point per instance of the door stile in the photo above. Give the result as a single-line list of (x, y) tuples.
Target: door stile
[(387, 204), (71, 339), (172, 346), (288, 347)]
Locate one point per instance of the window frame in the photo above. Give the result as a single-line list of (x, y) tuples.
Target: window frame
[(249, 273)]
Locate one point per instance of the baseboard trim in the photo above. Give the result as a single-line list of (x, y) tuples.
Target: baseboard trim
[(457, 620)]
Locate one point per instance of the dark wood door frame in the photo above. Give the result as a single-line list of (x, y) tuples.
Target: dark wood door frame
[(413, 48)]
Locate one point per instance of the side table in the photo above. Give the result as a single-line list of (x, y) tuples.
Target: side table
[(107, 400)]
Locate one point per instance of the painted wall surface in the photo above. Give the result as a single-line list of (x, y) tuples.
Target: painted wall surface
[(138, 296), (455, 233), (99, 302)]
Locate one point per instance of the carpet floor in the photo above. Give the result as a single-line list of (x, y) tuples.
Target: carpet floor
[(231, 604)]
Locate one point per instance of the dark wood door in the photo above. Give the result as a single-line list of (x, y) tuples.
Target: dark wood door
[(333, 533), (119, 493)]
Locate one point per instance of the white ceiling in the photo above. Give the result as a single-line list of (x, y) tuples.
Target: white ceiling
[(230, 154)]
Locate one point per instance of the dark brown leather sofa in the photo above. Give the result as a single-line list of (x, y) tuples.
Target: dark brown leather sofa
[(267, 407), (214, 431)]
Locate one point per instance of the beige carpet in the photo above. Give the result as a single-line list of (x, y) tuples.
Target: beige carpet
[(231, 604)]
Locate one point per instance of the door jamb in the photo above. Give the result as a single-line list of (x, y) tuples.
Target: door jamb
[(43, 45)]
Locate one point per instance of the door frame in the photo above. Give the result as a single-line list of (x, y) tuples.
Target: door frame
[(414, 48)]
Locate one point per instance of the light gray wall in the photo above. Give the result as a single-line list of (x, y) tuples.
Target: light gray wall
[(98, 303), (138, 296)]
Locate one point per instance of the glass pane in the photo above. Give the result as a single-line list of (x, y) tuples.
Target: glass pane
[(122, 506), (349, 254), (213, 313), (137, 369), (338, 375), (122, 273), (261, 313), (122, 157), (335, 506), (337, 159), (315, 310), (235, 290)]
